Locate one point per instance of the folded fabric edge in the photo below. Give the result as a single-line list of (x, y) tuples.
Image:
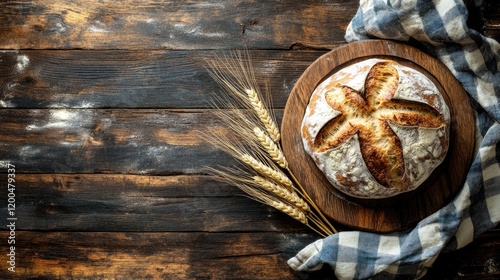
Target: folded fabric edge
[(300, 261)]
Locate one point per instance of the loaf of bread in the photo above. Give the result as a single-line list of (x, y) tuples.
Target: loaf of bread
[(376, 128)]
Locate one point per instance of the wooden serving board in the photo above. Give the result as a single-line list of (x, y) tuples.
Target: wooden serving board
[(404, 210)]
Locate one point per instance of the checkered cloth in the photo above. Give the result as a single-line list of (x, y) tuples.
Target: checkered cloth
[(440, 26)]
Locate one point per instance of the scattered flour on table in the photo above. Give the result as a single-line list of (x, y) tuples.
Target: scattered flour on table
[(22, 63), (62, 118)]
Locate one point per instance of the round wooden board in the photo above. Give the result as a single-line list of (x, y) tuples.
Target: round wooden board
[(404, 210)]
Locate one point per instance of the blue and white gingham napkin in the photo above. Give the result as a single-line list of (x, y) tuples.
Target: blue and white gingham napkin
[(441, 27)]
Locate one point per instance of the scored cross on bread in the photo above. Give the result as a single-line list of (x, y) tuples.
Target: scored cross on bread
[(376, 128), (367, 114)]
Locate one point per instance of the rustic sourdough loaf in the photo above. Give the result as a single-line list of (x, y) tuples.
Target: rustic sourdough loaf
[(376, 128)]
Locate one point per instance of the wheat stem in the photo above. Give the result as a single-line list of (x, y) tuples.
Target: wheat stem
[(254, 139), (246, 183), (311, 202), (320, 223)]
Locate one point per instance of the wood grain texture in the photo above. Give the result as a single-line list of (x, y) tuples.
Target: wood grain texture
[(172, 24), (204, 255), (133, 79), (490, 13), (139, 203), (162, 255), (475, 261), (101, 105), (401, 211), (132, 141)]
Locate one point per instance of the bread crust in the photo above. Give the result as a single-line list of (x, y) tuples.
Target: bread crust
[(376, 128)]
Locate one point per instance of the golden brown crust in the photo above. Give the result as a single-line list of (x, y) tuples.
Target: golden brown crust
[(372, 113)]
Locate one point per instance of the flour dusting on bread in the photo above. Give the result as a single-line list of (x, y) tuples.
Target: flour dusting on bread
[(376, 128)]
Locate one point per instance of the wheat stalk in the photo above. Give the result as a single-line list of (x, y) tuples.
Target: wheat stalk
[(255, 141), (291, 210), (264, 116), (267, 192), (267, 171), (287, 195), (273, 198), (271, 147)]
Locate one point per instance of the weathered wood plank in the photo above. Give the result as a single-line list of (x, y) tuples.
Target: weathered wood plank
[(167, 24), (164, 255), (190, 25), (90, 56), (201, 255), (132, 79), (478, 260), (491, 19), (99, 202), (142, 141)]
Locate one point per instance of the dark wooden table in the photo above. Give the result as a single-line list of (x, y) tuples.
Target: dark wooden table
[(102, 106)]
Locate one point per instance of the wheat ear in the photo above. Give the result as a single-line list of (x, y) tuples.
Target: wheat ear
[(290, 211), (270, 142), (255, 141), (281, 192), (267, 171), (275, 152), (263, 114), (271, 147)]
